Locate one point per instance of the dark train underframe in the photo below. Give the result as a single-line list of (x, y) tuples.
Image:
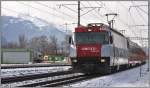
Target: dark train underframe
[(94, 65)]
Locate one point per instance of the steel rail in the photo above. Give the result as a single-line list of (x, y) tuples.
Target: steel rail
[(31, 77), (33, 65), (62, 81)]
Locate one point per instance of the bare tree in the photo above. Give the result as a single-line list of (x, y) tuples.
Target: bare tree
[(34, 44), (43, 41), (3, 42), (40, 44), (54, 45), (12, 45), (65, 45), (22, 41)]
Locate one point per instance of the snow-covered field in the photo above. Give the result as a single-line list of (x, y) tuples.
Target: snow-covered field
[(33, 70), (128, 78)]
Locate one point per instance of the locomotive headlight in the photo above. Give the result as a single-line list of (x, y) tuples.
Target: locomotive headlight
[(74, 60), (102, 60), (89, 29)]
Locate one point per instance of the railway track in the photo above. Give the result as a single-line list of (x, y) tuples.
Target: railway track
[(31, 65), (54, 79), (68, 80), (62, 81), (31, 77)]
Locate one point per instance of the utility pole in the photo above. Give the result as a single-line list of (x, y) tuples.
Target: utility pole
[(67, 35), (66, 43), (142, 47), (66, 26), (140, 70), (111, 22), (148, 37), (78, 12), (74, 10)]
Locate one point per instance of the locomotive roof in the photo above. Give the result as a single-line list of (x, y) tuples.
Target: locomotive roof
[(131, 42), (114, 30), (104, 25)]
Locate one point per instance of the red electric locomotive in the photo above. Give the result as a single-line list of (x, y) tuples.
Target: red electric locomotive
[(99, 48)]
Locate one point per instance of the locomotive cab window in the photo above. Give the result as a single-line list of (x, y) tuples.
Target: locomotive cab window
[(92, 37)]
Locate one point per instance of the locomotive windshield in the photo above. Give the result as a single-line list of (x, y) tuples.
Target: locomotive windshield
[(92, 37)]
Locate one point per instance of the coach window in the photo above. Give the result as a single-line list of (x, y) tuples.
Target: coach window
[(111, 39), (128, 44)]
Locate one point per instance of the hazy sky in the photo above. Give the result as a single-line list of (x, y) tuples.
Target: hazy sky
[(60, 13)]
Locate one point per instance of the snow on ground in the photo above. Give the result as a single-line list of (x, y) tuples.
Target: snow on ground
[(16, 84), (33, 70), (128, 78)]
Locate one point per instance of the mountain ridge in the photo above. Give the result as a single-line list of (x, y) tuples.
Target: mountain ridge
[(12, 27)]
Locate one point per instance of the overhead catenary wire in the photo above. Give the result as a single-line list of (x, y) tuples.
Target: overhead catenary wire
[(31, 7), (139, 13), (97, 14), (131, 19), (91, 9), (94, 15), (41, 10), (143, 10), (141, 32), (134, 23), (69, 8), (83, 6), (100, 15), (106, 8), (88, 12), (85, 12), (56, 10), (135, 33)]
